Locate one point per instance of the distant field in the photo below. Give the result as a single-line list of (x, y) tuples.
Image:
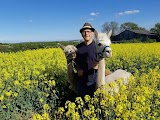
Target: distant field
[(3, 47), (32, 45)]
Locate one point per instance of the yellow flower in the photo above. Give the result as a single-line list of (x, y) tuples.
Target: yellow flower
[(106, 112), (111, 99), (51, 83), (118, 109), (98, 110), (87, 113), (76, 115), (126, 114), (1, 84), (46, 94), (46, 107), (87, 98), (45, 116), (103, 103), (67, 103), (95, 100), (27, 82), (37, 117), (98, 91), (4, 106), (15, 94), (61, 110), (112, 85), (68, 114), (2, 98), (41, 100), (119, 81), (91, 107), (16, 82), (123, 87), (8, 93), (71, 105)]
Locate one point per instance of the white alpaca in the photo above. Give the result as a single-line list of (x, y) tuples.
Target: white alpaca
[(70, 54), (117, 75), (104, 51)]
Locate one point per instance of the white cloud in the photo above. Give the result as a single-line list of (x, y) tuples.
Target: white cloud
[(127, 12), (94, 14), (131, 12)]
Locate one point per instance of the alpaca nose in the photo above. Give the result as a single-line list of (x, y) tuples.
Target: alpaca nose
[(108, 51)]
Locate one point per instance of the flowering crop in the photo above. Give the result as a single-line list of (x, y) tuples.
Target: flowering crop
[(141, 56), (30, 80)]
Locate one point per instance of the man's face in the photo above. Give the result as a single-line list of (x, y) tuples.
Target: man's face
[(87, 34)]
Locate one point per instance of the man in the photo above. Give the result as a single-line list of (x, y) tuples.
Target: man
[(86, 61)]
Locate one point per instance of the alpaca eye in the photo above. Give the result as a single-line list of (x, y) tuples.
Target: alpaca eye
[(99, 44)]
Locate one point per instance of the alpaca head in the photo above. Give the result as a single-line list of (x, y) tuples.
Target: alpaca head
[(70, 51), (103, 42)]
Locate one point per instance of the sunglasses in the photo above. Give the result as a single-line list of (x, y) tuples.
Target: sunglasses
[(86, 31)]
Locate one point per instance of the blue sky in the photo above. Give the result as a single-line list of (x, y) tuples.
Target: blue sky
[(52, 20)]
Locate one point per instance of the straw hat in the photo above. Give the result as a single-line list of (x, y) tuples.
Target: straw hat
[(87, 26)]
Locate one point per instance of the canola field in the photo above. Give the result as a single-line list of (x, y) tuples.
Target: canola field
[(33, 82)]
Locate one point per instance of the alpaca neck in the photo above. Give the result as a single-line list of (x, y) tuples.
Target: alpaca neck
[(69, 61), (71, 66), (101, 73)]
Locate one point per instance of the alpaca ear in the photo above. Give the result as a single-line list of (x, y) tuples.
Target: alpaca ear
[(96, 34), (110, 33), (61, 46)]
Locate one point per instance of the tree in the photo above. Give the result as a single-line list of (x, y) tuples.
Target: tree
[(107, 26), (130, 26), (156, 29)]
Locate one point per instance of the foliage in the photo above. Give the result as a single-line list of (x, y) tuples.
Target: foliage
[(107, 26), (156, 29), (130, 26), (148, 40), (116, 29)]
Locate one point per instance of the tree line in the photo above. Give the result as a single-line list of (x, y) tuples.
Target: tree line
[(116, 28)]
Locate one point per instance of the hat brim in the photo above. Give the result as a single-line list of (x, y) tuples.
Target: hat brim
[(92, 29)]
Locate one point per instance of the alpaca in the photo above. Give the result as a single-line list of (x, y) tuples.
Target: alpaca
[(70, 54), (103, 42), (118, 74), (104, 51)]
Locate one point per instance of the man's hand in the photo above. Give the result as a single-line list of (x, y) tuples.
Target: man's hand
[(80, 72), (95, 66)]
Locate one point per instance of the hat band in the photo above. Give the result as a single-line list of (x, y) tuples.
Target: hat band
[(87, 27)]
